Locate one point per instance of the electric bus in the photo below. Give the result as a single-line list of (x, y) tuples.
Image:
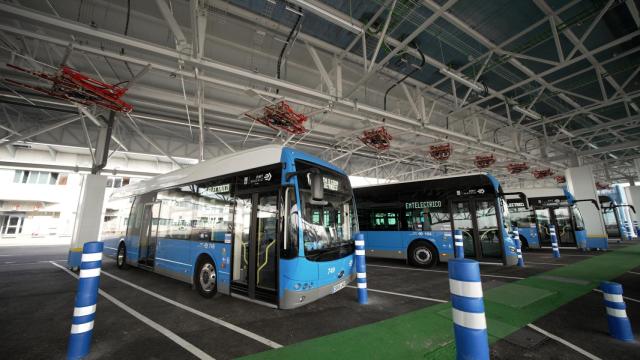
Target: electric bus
[(549, 206), (617, 221), (414, 220), (271, 225)]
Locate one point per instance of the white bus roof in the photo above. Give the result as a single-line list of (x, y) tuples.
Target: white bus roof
[(428, 179), (538, 192), (227, 164)]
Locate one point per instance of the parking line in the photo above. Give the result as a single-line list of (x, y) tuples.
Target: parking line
[(564, 342), (633, 272), (442, 271), (401, 294), (221, 322), (159, 328), (624, 297)]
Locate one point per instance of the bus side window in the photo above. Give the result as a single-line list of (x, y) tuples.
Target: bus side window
[(385, 220)]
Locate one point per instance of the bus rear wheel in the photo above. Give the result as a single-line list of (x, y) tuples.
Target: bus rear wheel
[(121, 257), (206, 278), (422, 254)]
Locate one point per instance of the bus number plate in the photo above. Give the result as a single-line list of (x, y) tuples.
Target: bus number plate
[(339, 286)]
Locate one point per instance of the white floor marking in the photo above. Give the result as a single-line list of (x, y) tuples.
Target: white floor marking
[(14, 263), (401, 294), (634, 273), (490, 263), (624, 297), (442, 271), (159, 328), (564, 342), (229, 326)]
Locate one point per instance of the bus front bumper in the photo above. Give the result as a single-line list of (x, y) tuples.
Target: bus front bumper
[(294, 299)]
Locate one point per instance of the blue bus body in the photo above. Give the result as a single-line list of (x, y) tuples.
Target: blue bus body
[(550, 206), (176, 253), (397, 236), (615, 213)]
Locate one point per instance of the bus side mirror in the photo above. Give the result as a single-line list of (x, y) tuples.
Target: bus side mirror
[(632, 208), (317, 189)]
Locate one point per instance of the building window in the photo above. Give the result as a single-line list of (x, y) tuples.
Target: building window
[(12, 224), (35, 177), (117, 181)]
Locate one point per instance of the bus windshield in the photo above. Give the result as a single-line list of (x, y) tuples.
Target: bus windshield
[(328, 228), (577, 218)]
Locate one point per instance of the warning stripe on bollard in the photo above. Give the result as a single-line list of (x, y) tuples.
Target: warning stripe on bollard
[(361, 272), (516, 239), (554, 241), (469, 321), (616, 309), (84, 311), (458, 244)]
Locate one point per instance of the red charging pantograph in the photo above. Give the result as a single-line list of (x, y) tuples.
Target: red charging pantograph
[(440, 152), (542, 173), (280, 116), (517, 168), (69, 84), (378, 138), (484, 161)]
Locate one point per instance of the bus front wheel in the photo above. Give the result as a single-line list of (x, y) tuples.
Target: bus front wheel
[(422, 254), (121, 257), (206, 278)]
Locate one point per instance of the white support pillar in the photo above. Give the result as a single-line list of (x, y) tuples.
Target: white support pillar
[(633, 198), (88, 216), (581, 184)]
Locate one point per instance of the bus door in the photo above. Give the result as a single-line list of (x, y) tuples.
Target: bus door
[(255, 253), (149, 233), (478, 221), (543, 219), (561, 218)]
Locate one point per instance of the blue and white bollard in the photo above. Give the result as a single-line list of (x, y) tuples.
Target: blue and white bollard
[(619, 325), (458, 244), (516, 239), (469, 322), (361, 270), (635, 226), (554, 241), (84, 311)]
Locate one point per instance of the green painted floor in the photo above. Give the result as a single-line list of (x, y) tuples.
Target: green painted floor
[(428, 333)]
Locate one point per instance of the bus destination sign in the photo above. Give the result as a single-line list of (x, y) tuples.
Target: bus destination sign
[(423, 204)]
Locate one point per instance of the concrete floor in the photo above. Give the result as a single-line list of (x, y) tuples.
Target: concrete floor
[(36, 303)]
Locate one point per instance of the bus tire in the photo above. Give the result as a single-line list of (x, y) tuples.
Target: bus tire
[(422, 254), (206, 277), (121, 256)]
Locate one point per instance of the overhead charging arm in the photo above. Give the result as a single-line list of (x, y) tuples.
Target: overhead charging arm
[(521, 195)]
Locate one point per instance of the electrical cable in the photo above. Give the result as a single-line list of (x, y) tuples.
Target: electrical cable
[(286, 43), (423, 61)]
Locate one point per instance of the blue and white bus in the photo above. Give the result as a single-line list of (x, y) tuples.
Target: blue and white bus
[(272, 225), (617, 221), (549, 206), (414, 220)]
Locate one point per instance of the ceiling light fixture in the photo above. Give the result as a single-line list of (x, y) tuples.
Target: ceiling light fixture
[(530, 113), (463, 80)]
